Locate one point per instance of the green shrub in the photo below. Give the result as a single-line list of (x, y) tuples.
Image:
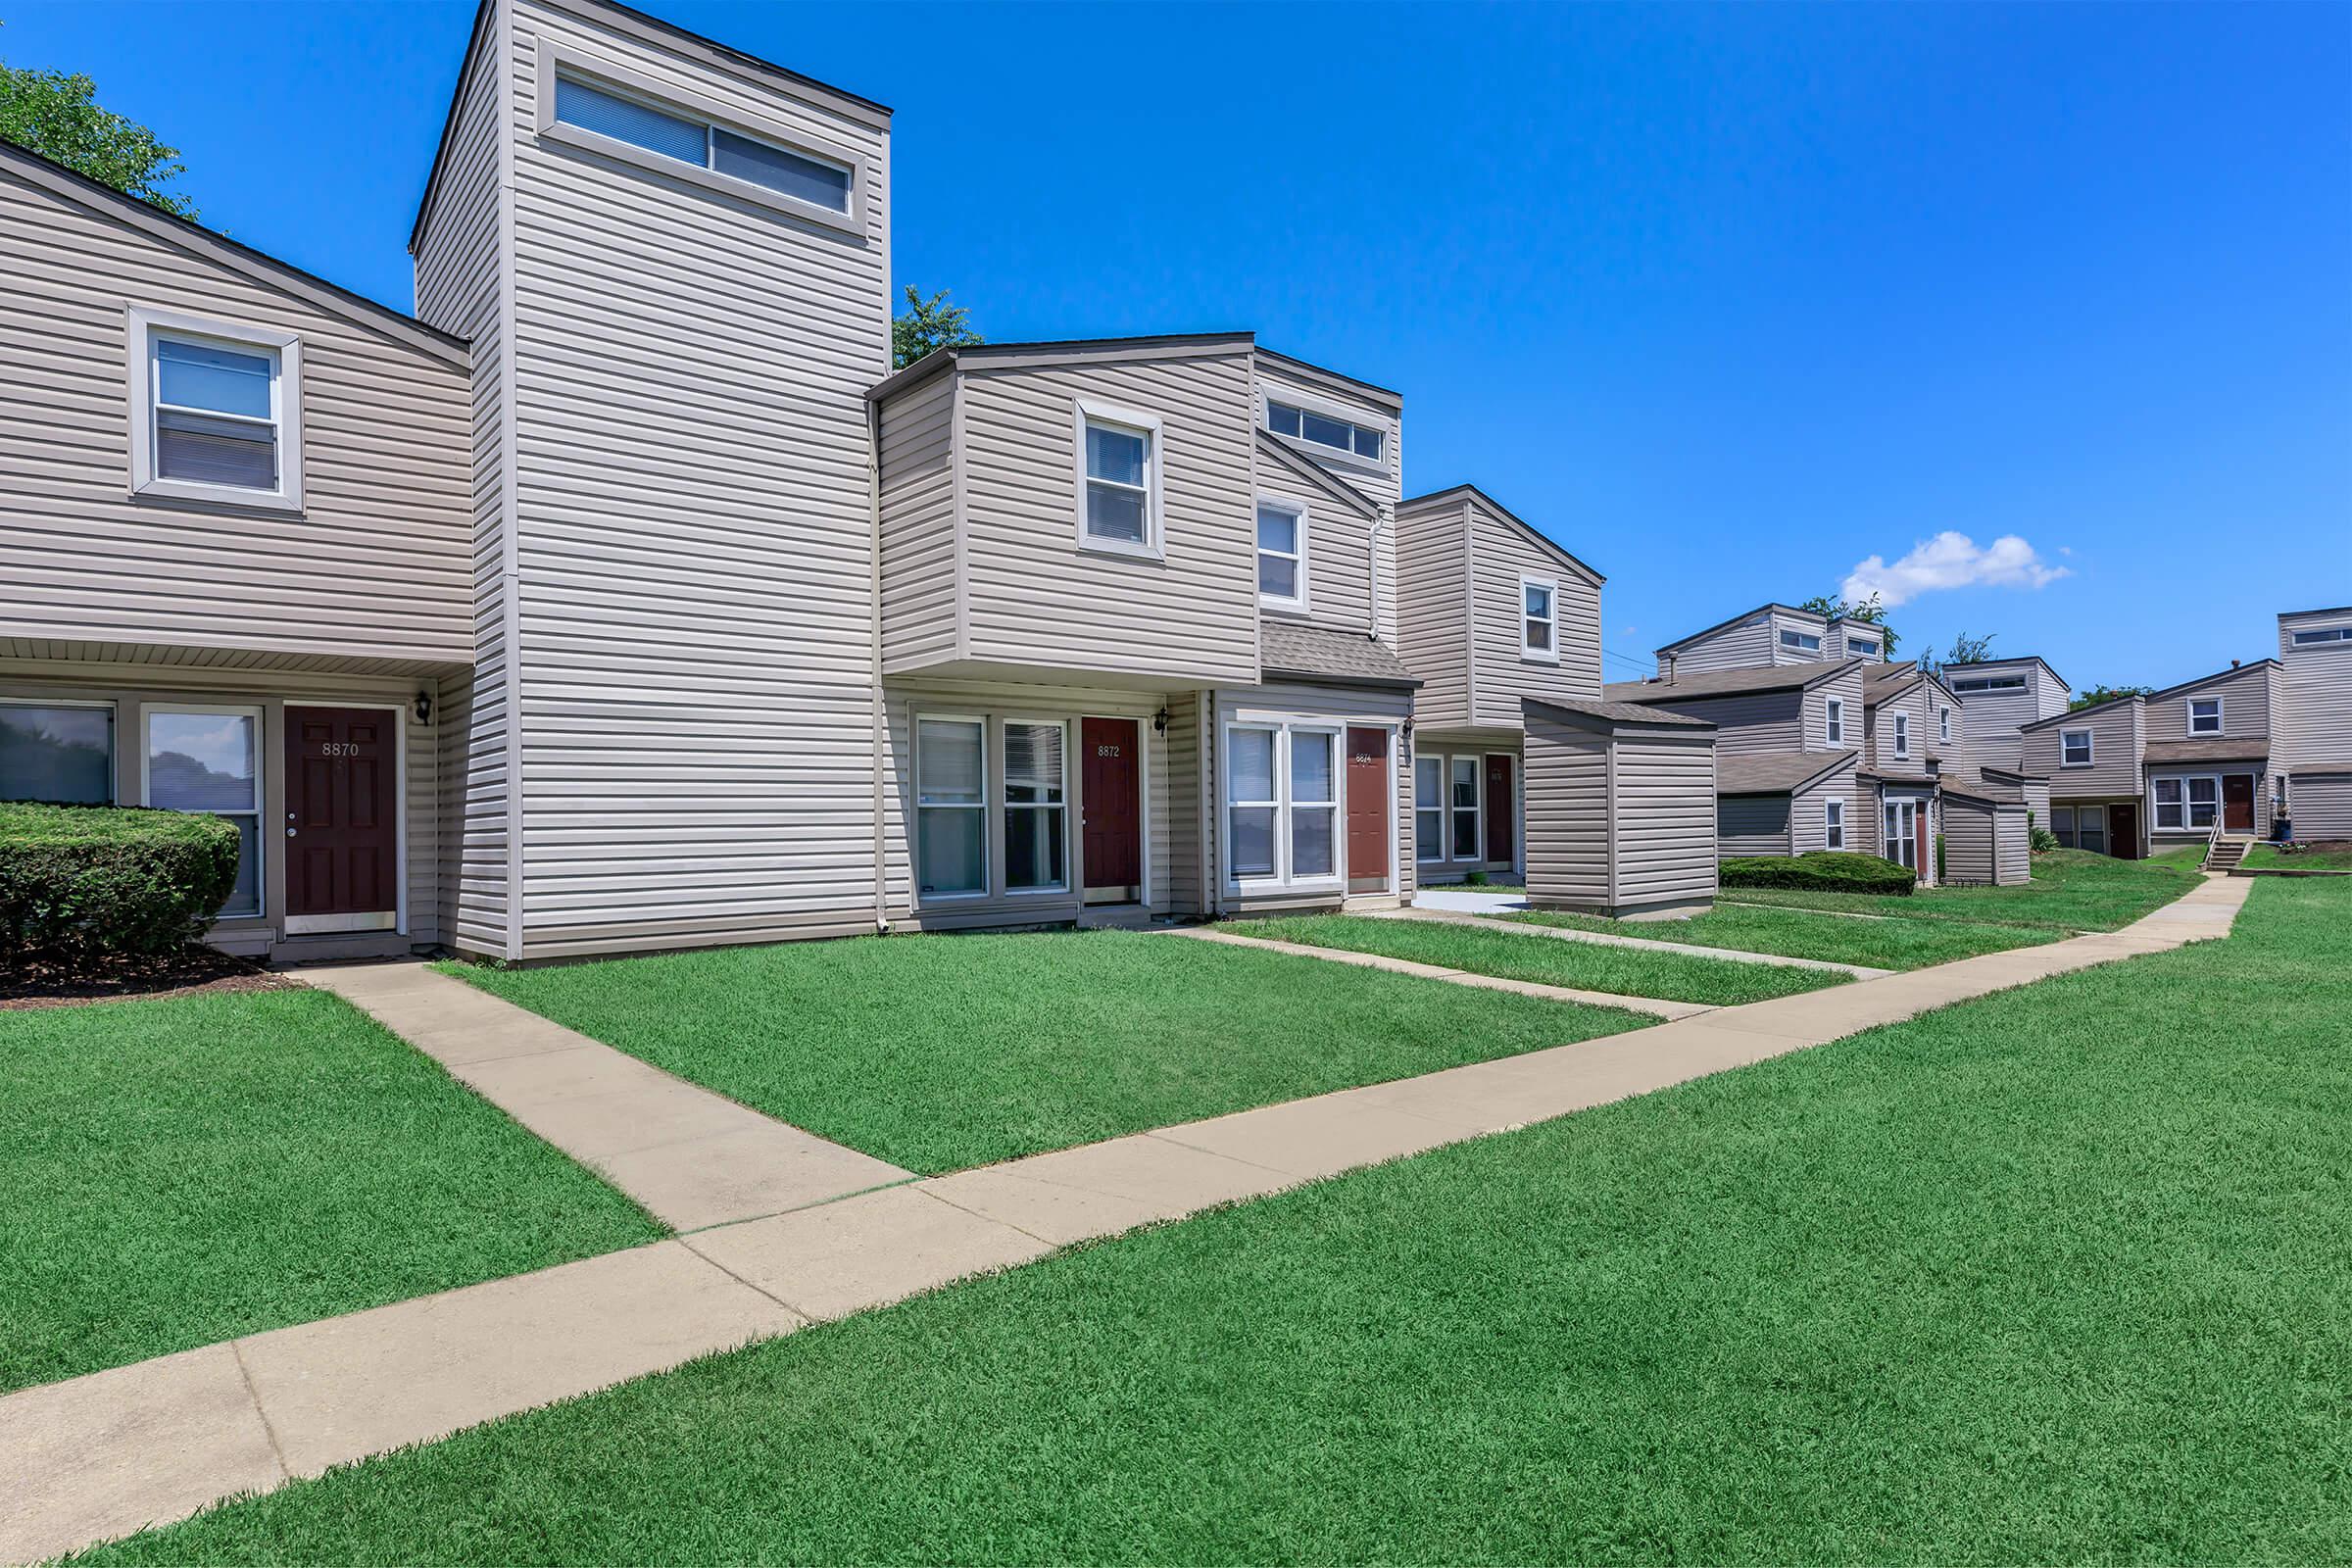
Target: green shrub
[(1941, 875), (1474, 879), (1822, 871), (79, 880), (2043, 840)]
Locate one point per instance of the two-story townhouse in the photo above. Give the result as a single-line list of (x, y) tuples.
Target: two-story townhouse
[(1927, 801), (2313, 759), (1787, 743), (235, 527), (2000, 697), (1129, 628), (2092, 756), (2206, 754), (1490, 613)]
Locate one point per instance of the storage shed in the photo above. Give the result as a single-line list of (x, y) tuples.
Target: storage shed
[(1620, 809), (1985, 838)]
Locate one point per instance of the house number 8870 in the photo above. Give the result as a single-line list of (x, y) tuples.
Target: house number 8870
[(339, 748)]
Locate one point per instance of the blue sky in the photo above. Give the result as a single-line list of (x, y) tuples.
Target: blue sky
[(1729, 301)]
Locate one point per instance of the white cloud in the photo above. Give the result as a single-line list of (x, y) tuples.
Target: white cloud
[(1951, 559)]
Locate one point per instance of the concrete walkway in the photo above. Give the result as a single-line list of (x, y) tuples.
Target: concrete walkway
[(688, 1156), (1469, 900), (1609, 939), (109, 1454)]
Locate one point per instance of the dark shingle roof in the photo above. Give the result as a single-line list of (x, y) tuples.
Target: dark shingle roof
[(1725, 683), (1618, 713), (1775, 772), (1319, 654), (2212, 748)]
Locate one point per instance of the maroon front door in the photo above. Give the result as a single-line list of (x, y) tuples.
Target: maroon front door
[(2238, 802), (342, 820), (1503, 826), (1919, 840), (2122, 831), (1367, 809), (1110, 784)]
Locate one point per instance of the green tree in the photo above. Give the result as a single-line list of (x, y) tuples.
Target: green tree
[(54, 113), (2105, 694), (927, 324), (1870, 612)]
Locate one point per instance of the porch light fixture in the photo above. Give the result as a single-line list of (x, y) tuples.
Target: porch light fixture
[(422, 707), (1160, 720)]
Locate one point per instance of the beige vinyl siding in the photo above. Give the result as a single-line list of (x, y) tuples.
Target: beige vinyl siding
[(1433, 610), (1569, 848), (1617, 822), (1968, 843), (1995, 719), (1816, 732), (463, 287), (2115, 740), (1880, 724), (1303, 702), (1501, 555), (691, 541), (1746, 644), (1339, 556), (919, 561), (1035, 598), (1664, 807), (2012, 848), (1187, 806), (1753, 824), (1808, 817), (2315, 732), (2321, 804), (1756, 722), (374, 566), (132, 687), (2245, 697), (1381, 488)]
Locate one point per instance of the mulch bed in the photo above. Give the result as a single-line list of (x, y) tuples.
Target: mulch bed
[(195, 972)]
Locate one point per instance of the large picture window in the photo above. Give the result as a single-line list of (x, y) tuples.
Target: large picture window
[(1282, 803), (60, 752), (951, 792), (205, 760), (1036, 806)]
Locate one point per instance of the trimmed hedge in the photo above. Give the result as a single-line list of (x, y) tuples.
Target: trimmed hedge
[(1822, 871), (81, 880)]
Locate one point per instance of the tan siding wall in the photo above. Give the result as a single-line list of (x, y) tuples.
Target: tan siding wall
[(1187, 800), (692, 550), (1338, 553), (374, 566), (1760, 721), (2322, 804), (1432, 611), (1968, 843), (2114, 773), (1815, 734), (2245, 698), (1746, 645), (1880, 722), (1500, 555), (1808, 818), (1665, 821), (1035, 598), (1568, 819), (1381, 488), (2317, 727), (1752, 824), (918, 527)]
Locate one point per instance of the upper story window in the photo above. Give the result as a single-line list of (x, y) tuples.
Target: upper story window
[(1833, 731), (1327, 430), (2324, 634), (62, 753), (2073, 748), (613, 112), (1990, 683), (1539, 619), (1902, 734), (2204, 716), (1861, 648), (217, 412), (1803, 642), (1282, 555), (1944, 723), (1118, 479)]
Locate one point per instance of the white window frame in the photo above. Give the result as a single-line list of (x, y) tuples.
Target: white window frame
[(1429, 849), (914, 735), (1899, 824), (1001, 817), (1861, 648), (1992, 683), (2089, 748), (1326, 407), (1477, 811), (2321, 636), (1801, 642), (1298, 602), (1902, 737), (282, 349), (2190, 717), (261, 784), (1131, 421), (1943, 721), (1284, 807), (1833, 721), (1528, 652), (1833, 823), (556, 58)]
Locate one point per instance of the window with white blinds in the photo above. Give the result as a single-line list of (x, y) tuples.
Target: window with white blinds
[(667, 133)]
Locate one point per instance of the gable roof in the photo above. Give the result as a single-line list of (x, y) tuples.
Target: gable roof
[(2219, 674), (2077, 715), (1313, 474), (1728, 682), (1745, 614), (231, 256), (1348, 657), (1585, 714), (1470, 492), (1775, 772)]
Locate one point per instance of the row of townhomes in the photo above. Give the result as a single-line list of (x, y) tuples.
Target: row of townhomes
[(621, 597), (1825, 744)]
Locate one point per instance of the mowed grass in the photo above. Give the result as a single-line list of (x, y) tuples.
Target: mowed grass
[(1891, 944), (1582, 966), (2060, 1275), (2072, 890), (2318, 857), (181, 1171), (937, 1053)]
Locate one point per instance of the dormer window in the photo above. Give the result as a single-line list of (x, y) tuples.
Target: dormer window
[(1861, 648), (1117, 479), (1990, 683), (2204, 716), (2324, 634), (218, 412), (1325, 430), (1539, 620), (1805, 642)]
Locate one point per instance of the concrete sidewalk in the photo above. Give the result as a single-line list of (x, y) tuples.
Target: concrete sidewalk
[(111, 1452), (1609, 939)]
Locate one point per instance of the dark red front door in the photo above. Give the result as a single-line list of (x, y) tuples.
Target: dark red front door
[(1919, 840), (342, 820), (1367, 809), (2238, 802), (2122, 832), (1111, 785), (1502, 821)]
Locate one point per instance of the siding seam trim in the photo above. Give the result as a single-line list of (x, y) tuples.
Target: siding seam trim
[(510, 508), (959, 515)]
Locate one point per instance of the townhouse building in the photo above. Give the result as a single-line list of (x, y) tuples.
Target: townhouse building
[(624, 599), (2312, 756)]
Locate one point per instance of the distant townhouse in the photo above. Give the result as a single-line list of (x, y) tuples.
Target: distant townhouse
[(2313, 760)]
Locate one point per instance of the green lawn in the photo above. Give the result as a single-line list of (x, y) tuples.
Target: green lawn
[(2072, 891), (1584, 965), (2061, 1275), (1891, 944), (937, 1053), (2333, 858), (181, 1171)]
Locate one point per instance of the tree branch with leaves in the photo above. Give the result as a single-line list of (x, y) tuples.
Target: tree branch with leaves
[(56, 114), (928, 324)]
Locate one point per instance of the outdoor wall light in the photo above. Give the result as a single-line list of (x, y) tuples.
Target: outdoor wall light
[(422, 707), (1160, 720)]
